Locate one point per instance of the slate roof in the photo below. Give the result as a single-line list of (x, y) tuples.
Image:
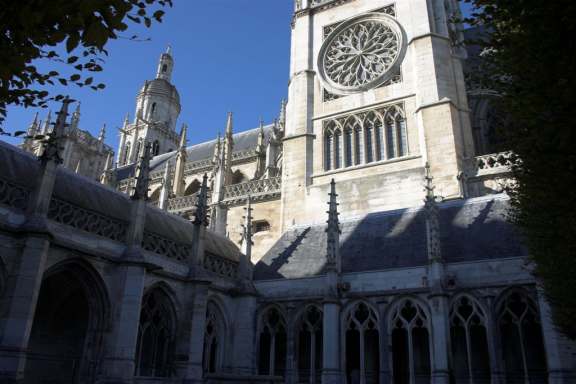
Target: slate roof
[(471, 230), (23, 169), (242, 141)]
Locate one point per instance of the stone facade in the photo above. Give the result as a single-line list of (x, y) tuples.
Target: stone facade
[(360, 238)]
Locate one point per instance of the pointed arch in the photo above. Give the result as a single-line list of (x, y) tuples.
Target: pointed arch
[(215, 336), (155, 148), (309, 340), (409, 331), (192, 188), (155, 196), (156, 333), (272, 342), (72, 314), (469, 340), (337, 148), (396, 135), (521, 336), (126, 154), (361, 343)]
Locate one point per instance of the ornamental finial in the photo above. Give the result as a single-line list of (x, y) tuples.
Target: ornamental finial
[(142, 175), (201, 215), (333, 228), (55, 144)]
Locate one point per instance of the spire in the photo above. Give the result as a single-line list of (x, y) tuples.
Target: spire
[(108, 177), (217, 149), (432, 218), (55, 144), (102, 134), (47, 123), (165, 65), (201, 215), (33, 128), (183, 134), (333, 230), (126, 121), (75, 121), (282, 116), (142, 175), (229, 126), (245, 267), (166, 187), (261, 133)]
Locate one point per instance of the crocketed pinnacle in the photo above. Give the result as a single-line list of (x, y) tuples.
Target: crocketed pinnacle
[(201, 215), (143, 175), (333, 228)]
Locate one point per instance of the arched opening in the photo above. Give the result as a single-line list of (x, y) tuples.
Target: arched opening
[(137, 149), (362, 345), (272, 343), (126, 154), (214, 337), (155, 148), (337, 149), (164, 68), (192, 188), (155, 196), (469, 342), (66, 338), (410, 344), (238, 177), (156, 335), (309, 331), (328, 144), (521, 338), (152, 110), (396, 135)]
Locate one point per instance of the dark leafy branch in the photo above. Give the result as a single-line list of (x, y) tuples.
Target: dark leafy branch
[(69, 32)]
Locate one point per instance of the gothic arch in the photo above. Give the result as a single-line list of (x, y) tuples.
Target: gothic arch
[(520, 333), (192, 188), (308, 326), (215, 336), (155, 196), (361, 341), (238, 177), (409, 331), (469, 339), (396, 132), (272, 340), (72, 314), (156, 332)]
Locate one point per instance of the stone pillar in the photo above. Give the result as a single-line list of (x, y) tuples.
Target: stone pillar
[(291, 354), (385, 345), (494, 347), (195, 370), (244, 336), (25, 281), (558, 373), (440, 338), (120, 360), (331, 370)]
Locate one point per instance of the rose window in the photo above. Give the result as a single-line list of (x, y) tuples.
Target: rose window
[(360, 54)]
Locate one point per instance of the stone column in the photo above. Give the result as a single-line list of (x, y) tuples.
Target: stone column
[(331, 371), (195, 370), (244, 336), (120, 360), (494, 347), (25, 281), (558, 373), (385, 371), (440, 340), (291, 354)]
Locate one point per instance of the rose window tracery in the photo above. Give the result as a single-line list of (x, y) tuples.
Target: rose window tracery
[(361, 53)]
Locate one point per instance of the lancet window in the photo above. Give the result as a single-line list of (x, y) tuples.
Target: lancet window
[(214, 336), (469, 342), (272, 343), (365, 138), (521, 339), (126, 154), (155, 148), (362, 345), (309, 340), (410, 344), (156, 335)]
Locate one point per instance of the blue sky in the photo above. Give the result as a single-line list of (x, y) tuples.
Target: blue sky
[(230, 55)]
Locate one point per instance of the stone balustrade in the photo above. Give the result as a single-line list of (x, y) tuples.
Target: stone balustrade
[(257, 189), (494, 163)]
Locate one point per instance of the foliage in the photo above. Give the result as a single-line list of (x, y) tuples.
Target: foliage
[(530, 58), (71, 32)]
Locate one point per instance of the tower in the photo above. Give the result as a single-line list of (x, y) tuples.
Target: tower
[(376, 91), (157, 111)]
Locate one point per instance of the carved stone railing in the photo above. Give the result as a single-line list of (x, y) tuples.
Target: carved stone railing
[(257, 189), (124, 185), (166, 247), (196, 166), (244, 155), (87, 220), (183, 204), (220, 265), (492, 164), (13, 195)]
